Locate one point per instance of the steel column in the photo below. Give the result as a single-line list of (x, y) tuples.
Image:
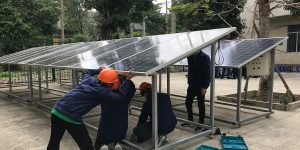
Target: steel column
[(154, 113), (47, 84), (239, 96), (9, 78), (30, 83), (159, 81), (40, 83), (212, 86), (168, 80)]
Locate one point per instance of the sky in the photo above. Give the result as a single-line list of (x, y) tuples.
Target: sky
[(163, 5)]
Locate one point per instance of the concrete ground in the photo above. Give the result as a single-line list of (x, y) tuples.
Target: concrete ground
[(26, 127)]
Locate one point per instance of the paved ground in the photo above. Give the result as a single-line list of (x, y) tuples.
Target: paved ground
[(24, 126)]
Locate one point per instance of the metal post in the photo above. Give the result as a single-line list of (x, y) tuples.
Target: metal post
[(159, 80), (168, 80), (212, 86), (154, 112), (239, 96), (59, 76), (30, 82), (47, 84), (73, 79), (271, 81), (9, 78), (53, 75), (40, 82), (28, 79), (76, 78)]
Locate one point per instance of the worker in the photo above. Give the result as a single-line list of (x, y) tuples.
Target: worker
[(114, 121), (92, 91), (166, 118), (198, 81)]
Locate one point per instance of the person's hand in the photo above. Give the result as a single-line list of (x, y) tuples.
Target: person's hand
[(101, 68), (203, 91), (129, 75)]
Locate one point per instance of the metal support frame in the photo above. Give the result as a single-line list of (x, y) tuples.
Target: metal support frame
[(30, 83), (60, 76), (168, 80), (73, 78), (76, 78), (212, 86), (154, 113), (239, 96), (47, 83), (159, 81), (9, 78), (40, 83), (271, 81)]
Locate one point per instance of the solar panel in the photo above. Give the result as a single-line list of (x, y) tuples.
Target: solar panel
[(140, 55), (169, 52), (236, 54)]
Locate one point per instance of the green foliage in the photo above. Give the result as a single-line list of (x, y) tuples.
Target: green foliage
[(287, 97), (294, 11), (26, 23), (117, 14), (155, 21), (77, 38), (202, 14)]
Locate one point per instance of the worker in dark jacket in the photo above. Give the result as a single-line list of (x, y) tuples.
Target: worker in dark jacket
[(166, 118), (114, 121), (198, 80), (92, 91)]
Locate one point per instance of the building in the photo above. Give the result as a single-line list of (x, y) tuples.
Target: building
[(283, 24)]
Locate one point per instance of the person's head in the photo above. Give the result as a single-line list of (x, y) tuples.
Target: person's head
[(145, 89), (109, 78)]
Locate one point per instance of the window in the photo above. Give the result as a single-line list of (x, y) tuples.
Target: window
[(294, 38)]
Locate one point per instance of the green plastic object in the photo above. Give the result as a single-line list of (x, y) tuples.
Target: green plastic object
[(205, 147), (233, 143)]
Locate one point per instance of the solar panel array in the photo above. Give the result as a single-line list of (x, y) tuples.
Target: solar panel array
[(238, 53), (140, 55)]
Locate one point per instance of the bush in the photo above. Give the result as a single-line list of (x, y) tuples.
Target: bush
[(287, 97), (80, 38)]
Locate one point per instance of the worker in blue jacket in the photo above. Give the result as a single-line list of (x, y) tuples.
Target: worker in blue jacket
[(114, 121), (198, 81), (166, 118), (92, 91)]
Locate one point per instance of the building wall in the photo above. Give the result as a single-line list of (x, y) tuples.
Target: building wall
[(280, 19)]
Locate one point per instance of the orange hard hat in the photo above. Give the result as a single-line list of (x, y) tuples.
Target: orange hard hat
[(145, 87), (108, 75)]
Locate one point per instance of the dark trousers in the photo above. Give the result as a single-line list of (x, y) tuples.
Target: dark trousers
[(77, 131), (191, 94), (143, 132)]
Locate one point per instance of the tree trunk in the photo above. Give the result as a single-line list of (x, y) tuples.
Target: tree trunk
[(264, 30)]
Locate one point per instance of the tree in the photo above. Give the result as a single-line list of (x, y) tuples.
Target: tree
[(75, 16), (116, 15), (208, 14), (264, 30), (26, 23)]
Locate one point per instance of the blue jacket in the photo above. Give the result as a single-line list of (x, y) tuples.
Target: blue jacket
[(166, 118), (114, 119), (199, 71), (88, 94)]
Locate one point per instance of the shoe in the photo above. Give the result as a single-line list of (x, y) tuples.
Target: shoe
[(104, 147), (200, 129), (186, 125), (118, 147)]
